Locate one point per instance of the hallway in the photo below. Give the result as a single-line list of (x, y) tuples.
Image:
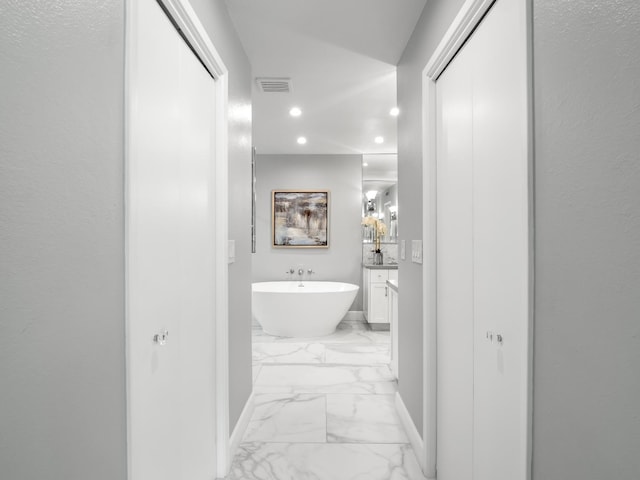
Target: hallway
[(65, 253), (324, 409)]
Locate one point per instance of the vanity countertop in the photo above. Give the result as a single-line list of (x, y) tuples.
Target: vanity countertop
[(385, 266)]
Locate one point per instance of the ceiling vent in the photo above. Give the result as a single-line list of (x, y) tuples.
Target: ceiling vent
[(274, 85)]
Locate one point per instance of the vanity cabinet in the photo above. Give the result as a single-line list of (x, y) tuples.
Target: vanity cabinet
[(376, 295)]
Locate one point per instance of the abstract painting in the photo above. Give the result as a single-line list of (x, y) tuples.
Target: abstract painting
[(300, 218)]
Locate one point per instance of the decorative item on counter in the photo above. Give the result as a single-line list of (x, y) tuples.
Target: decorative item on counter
[(379, 230)]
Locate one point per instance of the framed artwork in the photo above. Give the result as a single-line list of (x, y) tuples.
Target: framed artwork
[(300, 218)]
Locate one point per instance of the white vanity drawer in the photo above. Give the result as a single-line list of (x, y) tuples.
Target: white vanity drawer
[(378, 276)]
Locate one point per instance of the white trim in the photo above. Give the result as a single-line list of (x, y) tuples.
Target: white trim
[(465, 22), (468, 18), (223, 458), (429, 279), (241, 425), (412, 432), (185, 19)]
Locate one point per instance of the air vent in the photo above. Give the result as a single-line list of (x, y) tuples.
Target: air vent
[(274, 85)]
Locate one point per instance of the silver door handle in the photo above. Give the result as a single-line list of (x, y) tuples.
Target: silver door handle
[(161, 338)]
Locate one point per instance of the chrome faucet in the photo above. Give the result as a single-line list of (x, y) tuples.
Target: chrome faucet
[(301, 275)]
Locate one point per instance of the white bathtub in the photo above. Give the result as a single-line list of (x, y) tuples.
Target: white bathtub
[(286, 309)]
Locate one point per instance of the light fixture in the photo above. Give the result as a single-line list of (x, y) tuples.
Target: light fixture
[(394, 112), (301, 140), (365, 164), (295, 112), (371, 194), (379, 139)]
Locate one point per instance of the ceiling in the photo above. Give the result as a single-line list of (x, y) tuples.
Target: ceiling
[(341, 57)]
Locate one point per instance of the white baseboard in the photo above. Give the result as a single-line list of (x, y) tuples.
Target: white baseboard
[(241, 427), (354, 315), (412, 432)]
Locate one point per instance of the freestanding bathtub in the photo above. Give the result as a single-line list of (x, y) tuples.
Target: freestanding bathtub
[(287, 309)]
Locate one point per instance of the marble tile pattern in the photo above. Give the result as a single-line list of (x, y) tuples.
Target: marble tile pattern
[(288, 418), (325, 379), (338, 461), (324, 410), (363, 418)]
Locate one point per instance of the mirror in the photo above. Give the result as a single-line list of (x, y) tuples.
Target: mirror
[(380, 196)]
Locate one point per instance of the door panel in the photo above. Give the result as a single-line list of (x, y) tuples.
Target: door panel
[(482, 253), (170, 245), (500, 212), (454, 272)]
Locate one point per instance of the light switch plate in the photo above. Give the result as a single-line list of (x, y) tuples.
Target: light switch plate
[(231, 251), (416, 251), (403, 249)]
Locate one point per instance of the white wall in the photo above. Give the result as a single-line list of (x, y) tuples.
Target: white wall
[(433, 23), (587, 212), (342, 176), (62, 373), (61, 222), (587, 232)]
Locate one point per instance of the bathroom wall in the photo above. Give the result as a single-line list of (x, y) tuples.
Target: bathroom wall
[(62, 364), (62, 357), (217, 22), (586, 419), (342, 176), (587, 232), (433, 23)]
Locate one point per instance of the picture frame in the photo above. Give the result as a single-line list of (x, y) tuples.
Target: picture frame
[(300, 218)]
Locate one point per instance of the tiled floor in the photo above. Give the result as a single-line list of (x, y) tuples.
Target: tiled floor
[(324, 410)]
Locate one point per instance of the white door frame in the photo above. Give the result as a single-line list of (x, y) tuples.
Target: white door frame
[(182, 15), (468, 18)]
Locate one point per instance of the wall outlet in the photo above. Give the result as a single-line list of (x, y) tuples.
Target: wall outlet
[(416, 251)]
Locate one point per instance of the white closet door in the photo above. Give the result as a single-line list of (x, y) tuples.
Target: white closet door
[(482, 253), (454, 271), (500, 215), (170, 244)]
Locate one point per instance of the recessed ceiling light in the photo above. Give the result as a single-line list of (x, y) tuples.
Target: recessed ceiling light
[(379, 140), (302, 140), (394, 112), (295, 112), (365, 164)]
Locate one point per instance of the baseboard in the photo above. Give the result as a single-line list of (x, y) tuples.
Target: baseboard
[(354, 316), (412, 432), (241, 427)]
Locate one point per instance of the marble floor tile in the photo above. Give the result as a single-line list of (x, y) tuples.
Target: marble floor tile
[(288, 418), (299, 461), (363, 419), (339, 336), (288, 352), (325, 379), (358, 354)]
